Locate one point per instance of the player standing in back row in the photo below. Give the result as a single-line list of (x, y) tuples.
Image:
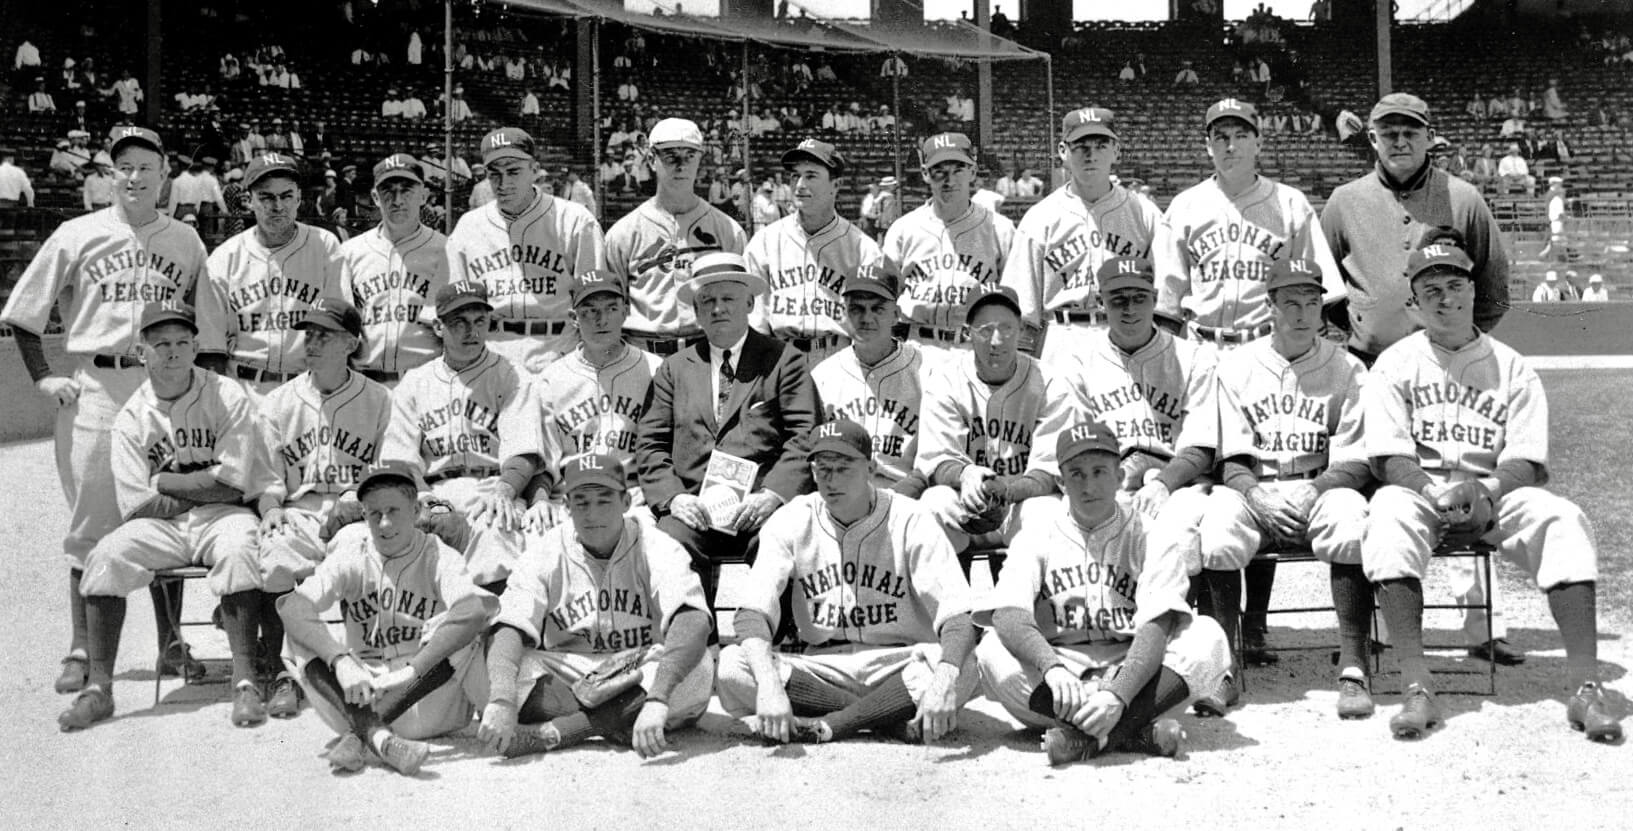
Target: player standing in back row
[(106, 266), (1065, 238), (523, 247), (947, 249)]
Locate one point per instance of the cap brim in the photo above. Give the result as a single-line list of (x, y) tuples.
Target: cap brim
[(872, 287), (286, 172), (462, 303), (1231, 117), (1083, 130), (989, 299), (1073, 452), (395, 174), (581, 479), (384, 476), (1380, 115), (583, 296), (689, 289), (840, 446), (505, 153), (140, 140), (171, 318), (796, 156), (1126, 281), (948, 156)]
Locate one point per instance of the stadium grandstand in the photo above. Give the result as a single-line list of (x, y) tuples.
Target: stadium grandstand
[(587, 77)]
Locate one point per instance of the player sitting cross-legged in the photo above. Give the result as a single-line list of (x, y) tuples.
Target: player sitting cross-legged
[(1458, 424), (1091, 635), (878, 596), (603, 630), (410, 666)]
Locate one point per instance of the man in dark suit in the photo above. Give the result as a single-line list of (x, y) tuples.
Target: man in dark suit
[(738, 391)]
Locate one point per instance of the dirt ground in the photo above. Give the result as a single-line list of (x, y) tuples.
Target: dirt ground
[(1282, 761)]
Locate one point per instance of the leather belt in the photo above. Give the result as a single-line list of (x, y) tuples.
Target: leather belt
[(661, 345), (250, 373), (1295, 477), (115, 361), (1069, 316), (1230, 335), (460, 473), (530, 327), (933, 334), (816, 343)]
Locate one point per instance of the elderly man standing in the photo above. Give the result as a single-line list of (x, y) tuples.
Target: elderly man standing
[(739, 399)]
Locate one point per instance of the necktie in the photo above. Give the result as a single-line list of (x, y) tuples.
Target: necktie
[(726, 382)]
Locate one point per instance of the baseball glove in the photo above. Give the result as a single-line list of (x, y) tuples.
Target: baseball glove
[(438, 517), (612, 678), (1467, 512)]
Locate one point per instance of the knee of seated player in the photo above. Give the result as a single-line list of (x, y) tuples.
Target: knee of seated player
[(235, 562), (735, 683), (690, 697), (1400, 534), (1198, 652), (942, 501), (286, 560), (1553, 538), (919, 672), (111, 570), (1338, 522), (1228, 532), (1005, 681)]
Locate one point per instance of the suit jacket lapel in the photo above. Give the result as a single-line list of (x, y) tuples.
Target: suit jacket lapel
[(699, 372)]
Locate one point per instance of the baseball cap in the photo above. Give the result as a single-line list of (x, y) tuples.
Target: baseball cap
[(333, 314), (946, 147), (455, 296), (596, 281), (270, 164), (398, 166), (873, 278), (593, 469), (989, 295), (888, 182), (844, 437), (1401, 103), (1089, 121), (507, 143), (1126, 273), (168, 311), (812, 150), (720, 267), (392, 472), (1294, 272), (675, 132), (121, 136), (1232, 108), (1441, 255), (1596, 278), (1086, 437)]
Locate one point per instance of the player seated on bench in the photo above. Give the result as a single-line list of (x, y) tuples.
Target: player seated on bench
[(411, 665)]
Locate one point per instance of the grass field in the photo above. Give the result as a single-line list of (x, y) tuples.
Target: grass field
[(1281, 761)]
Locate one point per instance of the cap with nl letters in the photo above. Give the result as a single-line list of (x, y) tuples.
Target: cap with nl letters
[(507, 143), (601, 469), (270, 164), (873, 278), (169, 311), (1089, 121), (1086, 437), (946, 147), (813, 150), (1231, 108), (398, 166), (1294, 272), (1438, 256), (596, 281), (126, 135), (1126, 273), (333, 314), (455, 296), (844, 437)]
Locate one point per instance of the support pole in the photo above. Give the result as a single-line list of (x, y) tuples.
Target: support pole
[(154, 92), (748, 158), (1051, 137), (448, 116), (1383, 17), (896, 123), (595, 116)]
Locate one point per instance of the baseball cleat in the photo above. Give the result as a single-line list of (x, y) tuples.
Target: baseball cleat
[(1220, 700), (906, 732), (347, 755), (1589, 712), (1419, 712), (1162, 737), (1354, 699), (1498, 650), (93, 704), (533, 739), (403, 755), (285, 701), (178, 660), (248, 707), (1065, 744), (808, 731), (1254, 652), (75, 669)]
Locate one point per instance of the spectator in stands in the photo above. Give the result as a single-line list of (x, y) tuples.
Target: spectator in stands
[(1555, 207), (1186, 76), (867, 215), (984, 196), (459, 111), (577, 191), (825, 73), (530, 105), (129, 92), (482, 191), (629, 91), (1517, 106), (1568, 292), (561, 77), (893, 67), (1596, 291), (277, 140), (346, 189), (1512, 126), (194, 188), (1476, 108), (1553, 107), (98, 187), (1483, 171), (1008, 184), (69, 76), (889, 204), (282, 77), (27, 58), (1513, 172), (15, 188), (293, 139), (515, 68), (321, 141), (41, 101), (413, 107), (415, 48), (1553, 149), (965, 111), (392, 107), (1547, 291), (764, 208), (1127, 73), (1139, 65)]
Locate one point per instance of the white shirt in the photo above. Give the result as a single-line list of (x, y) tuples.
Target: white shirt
[(27, 55), (717, 357), (530, 104), (14, 184)]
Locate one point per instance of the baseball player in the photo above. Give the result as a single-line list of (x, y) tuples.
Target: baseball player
[(450, 420), (946, 249), (653, 246), (410, 665), (104, 267), (183, 460), (1294, 469), (603, 631), (1218, 240), (1067, 236), (523, 247), (806, 256), (263, 281), (392, 273), (987, 428), (876, 593), (590, 401), (1456, 418), (318, 433), (1092, 638), (876, 381)]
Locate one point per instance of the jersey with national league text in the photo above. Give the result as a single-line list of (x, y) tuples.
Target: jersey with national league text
[(941, 263), (254, 297), (1061, 244), (212, 425), (444, 422), (805, 272), (884, 399), (1296, 418), (525, 262), (392, 284)]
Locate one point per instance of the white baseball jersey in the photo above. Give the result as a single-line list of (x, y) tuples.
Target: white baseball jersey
[(805, 273), (1297, 417), (254, 296), (444, 421), (386, 603), (940, 263), (525, 262), (562, 598), (209, 426), (653, 250), (888, 579), (884, 399), (1061, 244), (1009, 428), (1088, 585), (1467, 411), (320, 444), (1213, 253), (106, 273), (584, 409), (1146, 397), (393, 284)]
